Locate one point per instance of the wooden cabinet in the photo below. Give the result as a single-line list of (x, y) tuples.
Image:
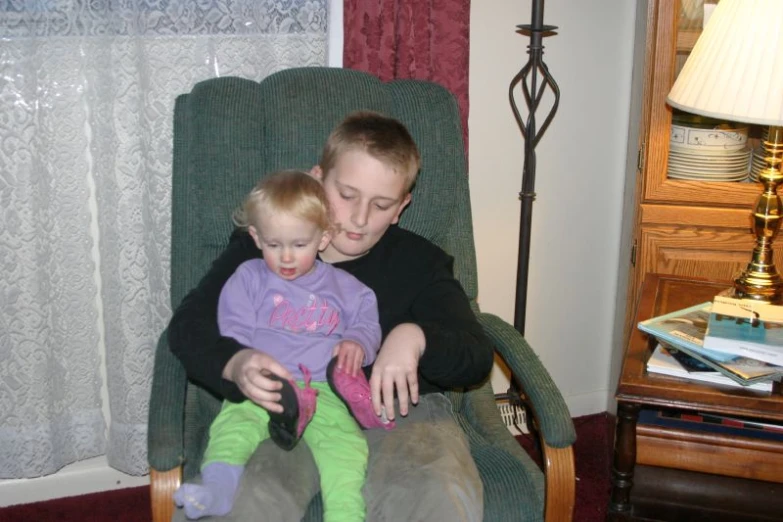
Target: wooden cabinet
[(688, 228)]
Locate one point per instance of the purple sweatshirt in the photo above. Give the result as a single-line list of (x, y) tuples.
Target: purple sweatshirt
[(299, 321)]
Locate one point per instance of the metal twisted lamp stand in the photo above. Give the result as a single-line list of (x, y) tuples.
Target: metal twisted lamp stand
[(528, 78)]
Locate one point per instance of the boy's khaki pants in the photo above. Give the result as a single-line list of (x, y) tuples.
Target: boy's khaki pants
[(421, 470)]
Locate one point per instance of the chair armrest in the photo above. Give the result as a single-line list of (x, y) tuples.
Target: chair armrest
[(163, 484), (549, 407), (560, 470), (165, 446)]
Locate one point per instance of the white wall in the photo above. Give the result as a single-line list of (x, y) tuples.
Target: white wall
[(579, 183)]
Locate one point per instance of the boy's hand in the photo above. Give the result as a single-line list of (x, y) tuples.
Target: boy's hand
[(350, 356), (250, 369), (396, 367)]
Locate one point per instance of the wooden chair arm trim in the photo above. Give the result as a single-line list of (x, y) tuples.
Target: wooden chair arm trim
[(560, 483), (163, 484)]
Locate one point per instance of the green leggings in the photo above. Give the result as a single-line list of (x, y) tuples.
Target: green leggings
[(333, 436)]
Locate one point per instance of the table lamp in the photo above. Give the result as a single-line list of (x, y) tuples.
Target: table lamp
[(735, 73)]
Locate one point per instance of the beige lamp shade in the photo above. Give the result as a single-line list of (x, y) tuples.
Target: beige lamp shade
[(735, 71)]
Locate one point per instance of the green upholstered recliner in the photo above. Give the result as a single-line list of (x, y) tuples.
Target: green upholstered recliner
[(227, 132)]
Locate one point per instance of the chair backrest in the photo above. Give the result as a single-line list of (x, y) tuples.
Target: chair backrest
[(230, 131)]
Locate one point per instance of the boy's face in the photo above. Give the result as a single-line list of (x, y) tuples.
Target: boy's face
[(289, 244), (366, 197)]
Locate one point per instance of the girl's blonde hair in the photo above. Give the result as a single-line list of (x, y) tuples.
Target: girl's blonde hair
[(288, 191)]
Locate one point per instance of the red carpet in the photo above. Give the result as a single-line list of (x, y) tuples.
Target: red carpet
[(121, 505), (593, 451), (593, 458)]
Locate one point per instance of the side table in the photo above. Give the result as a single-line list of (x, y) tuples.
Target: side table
[(689, 475)]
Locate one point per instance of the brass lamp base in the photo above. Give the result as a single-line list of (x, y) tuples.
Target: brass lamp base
[(759, 287), (761, 280)]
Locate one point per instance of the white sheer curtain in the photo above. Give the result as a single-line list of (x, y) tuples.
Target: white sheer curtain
[(87, 89)]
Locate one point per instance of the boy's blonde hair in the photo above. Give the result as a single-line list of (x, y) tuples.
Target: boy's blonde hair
[(288, 191), (382, 137)]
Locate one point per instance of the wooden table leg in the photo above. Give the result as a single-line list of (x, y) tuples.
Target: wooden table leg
[(624, 459)]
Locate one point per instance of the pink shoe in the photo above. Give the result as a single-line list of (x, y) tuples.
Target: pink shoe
[(298, 409), (355, 393), (306, 401)]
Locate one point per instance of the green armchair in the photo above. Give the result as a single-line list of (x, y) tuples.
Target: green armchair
[(229, 130)]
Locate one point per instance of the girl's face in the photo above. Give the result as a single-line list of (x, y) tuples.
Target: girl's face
[(366, 197), (290, 244)]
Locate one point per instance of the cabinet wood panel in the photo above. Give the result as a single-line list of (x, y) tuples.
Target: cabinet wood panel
[(709, 453), (713, 217), (714, 253)]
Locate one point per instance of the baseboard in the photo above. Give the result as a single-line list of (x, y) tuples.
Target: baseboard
[(587, 403), (80, 478)]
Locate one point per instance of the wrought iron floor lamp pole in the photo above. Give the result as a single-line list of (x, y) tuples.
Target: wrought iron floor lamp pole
[(528, 77)]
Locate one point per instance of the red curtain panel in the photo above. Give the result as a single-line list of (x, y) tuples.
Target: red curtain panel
[(417, 39)]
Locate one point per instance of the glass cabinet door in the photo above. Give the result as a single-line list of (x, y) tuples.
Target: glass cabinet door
[(690, 159)]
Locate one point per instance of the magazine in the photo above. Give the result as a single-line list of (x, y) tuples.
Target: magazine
[(747, 308), (740, 369), (685, 330), (663, 362), (749, 329)]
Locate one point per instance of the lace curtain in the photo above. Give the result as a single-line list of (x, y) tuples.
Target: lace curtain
[(87, 90)]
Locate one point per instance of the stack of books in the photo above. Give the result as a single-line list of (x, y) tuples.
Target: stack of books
[(729, 341)]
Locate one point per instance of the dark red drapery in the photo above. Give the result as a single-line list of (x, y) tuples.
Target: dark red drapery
[(418, 39)]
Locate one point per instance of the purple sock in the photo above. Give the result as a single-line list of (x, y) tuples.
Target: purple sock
[(215, 495)]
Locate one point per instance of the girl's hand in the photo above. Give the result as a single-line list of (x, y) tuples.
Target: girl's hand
[(396, 367), (250, 370), (350, 356)]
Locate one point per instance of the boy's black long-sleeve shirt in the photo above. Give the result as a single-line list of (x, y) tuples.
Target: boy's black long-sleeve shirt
[(414, 283)]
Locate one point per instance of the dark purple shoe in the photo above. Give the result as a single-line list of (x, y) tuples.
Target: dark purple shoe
[(355, 393), (286, 428)]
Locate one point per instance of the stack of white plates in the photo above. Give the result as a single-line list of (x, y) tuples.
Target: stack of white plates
[(757, 163), (708, 154), (709, 165)]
